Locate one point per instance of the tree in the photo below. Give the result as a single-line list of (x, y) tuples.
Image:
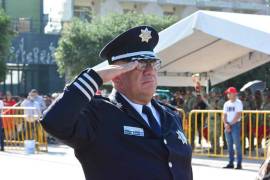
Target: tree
[(5, 37), (82, 41)]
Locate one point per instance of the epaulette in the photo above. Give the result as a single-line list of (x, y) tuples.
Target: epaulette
[(101, 97), (171, 107)]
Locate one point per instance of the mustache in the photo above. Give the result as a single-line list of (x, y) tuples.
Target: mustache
[(148, 78)]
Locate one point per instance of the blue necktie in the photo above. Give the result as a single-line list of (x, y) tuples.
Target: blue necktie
[(151, 119)]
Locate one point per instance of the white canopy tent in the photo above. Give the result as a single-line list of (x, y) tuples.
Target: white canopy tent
[(217, 45)]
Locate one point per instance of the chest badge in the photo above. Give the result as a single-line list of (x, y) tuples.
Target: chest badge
[(133, 131), (181, 137)]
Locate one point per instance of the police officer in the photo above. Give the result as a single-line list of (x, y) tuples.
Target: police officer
[(128, 135)]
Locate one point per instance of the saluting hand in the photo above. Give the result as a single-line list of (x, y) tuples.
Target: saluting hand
[(112, 71)]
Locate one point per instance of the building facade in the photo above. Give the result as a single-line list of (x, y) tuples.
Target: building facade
[(31, 62), (180, 8), (26, 15)]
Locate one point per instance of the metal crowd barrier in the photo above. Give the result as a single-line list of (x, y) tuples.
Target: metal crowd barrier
[(21, 124), (205, 133), (182, 114)]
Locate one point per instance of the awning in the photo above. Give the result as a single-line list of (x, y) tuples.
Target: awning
[(217, 45)]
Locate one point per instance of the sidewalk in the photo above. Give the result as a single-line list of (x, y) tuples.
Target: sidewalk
[(205, 168), (60, 163)]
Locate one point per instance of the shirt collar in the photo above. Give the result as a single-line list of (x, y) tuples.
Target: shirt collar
[(137, 107)]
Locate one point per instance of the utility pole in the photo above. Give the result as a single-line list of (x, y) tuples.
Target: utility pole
[(267, 7), (3, 4)]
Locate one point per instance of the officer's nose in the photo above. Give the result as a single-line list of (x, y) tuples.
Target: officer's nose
[(149, 70)]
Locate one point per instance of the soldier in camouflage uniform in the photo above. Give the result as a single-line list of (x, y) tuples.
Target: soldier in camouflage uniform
[(189, 102), (189, 105), (220, 104), (265, 107), (246, 106), (254, 102), (253, 106), (214, 123)]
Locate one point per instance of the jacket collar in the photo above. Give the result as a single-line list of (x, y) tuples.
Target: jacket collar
[(117, 99), (169, 120), (165, 119)]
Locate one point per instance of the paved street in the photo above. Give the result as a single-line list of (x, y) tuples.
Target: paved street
[(60, 163)]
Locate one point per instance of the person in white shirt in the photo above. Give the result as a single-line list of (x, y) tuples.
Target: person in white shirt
[(32, 114), (1, 127), (232, 111), (39, 99)]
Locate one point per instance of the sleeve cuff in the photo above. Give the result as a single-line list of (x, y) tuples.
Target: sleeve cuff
[(87, 83)]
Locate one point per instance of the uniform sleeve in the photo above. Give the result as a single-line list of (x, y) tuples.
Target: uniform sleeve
[(71, 117)]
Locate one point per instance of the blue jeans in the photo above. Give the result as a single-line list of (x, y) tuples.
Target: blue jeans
[(233, 137)]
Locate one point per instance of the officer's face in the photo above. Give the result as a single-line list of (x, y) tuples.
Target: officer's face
[(139, 85)]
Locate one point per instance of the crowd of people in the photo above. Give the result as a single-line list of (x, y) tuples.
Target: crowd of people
[(34, 105), (187, 100), (190, 100), (32, 99)]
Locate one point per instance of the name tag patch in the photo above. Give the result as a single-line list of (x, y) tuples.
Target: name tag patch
[(133, 131)]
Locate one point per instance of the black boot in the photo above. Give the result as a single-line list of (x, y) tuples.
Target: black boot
[(239, 166), (229, 166)]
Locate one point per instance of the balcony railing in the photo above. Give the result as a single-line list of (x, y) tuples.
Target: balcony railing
[(223, 4), (21, 25)]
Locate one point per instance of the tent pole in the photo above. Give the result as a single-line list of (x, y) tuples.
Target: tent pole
[(208, 86)]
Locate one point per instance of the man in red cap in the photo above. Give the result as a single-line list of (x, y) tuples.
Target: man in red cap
[(232, 110)]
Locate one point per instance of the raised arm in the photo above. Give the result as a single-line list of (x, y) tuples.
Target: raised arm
[(71, 117)]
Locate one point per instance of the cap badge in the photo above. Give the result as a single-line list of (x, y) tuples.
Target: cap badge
[(145, 35)]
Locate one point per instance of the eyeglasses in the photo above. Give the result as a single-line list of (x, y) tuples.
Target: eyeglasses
[(142, 65)]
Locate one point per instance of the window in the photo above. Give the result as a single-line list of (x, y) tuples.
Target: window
[(83, 12), (167, 13), (128, 11), (21, 24)]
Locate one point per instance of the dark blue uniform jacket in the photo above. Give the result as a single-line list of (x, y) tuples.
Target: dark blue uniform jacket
[(106, 140)]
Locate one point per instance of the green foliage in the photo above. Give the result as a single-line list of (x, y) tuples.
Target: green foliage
[(81, 41), (5, 36)]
